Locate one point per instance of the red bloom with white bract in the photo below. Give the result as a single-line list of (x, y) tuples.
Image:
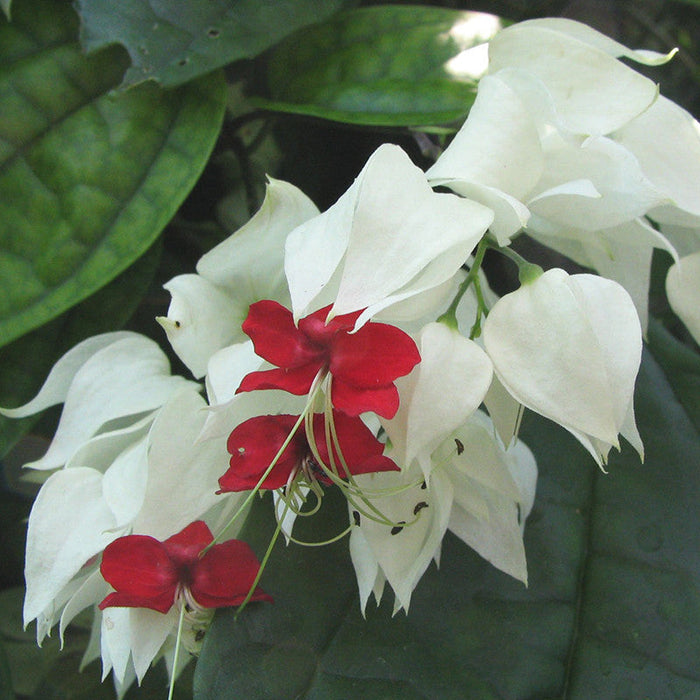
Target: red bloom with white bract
[(364, 364), (254, 444), (147, 573)]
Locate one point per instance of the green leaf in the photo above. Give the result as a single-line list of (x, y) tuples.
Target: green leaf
[(173, 42), (612, 609), (682, 367), (6, 692), (27, 361), (87, 179), (387, 65)]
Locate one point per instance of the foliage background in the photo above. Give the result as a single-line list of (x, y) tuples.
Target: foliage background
[(613, 606)]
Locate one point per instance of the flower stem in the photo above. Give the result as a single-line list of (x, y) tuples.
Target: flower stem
[(450, 316), (177, 650), (527, 272)]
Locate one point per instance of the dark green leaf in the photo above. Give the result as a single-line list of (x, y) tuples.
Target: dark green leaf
[(612, 610), (682, 367), (174, 42), (6, 692), (27, 361), (87, 179), (387, 65)]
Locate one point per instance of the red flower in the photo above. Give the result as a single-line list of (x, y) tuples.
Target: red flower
[(255, 442), (364, 365), (147, 573)]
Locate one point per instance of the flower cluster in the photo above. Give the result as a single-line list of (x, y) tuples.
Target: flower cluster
[(361, 349)]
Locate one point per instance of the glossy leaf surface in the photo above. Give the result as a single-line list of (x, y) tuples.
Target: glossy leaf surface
[(88, 179), (389, 65), (173, 42)]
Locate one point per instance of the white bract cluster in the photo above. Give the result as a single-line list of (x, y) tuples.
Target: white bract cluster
[(361, 348)]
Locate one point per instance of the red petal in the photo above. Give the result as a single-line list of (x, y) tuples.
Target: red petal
[(319, 332), (184, 548), (161, 603), (224, 575), (384, 400), (141, 571), (361, 450), (296, 381), (254, 444), (275, 337), (374, 356)]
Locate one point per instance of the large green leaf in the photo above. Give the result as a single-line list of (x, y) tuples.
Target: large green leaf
[(87, 179), (172, 41), (612, 609), (682, 367), (387, 65)]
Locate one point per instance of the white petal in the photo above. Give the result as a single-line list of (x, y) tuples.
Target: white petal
[(227, 368), (497, 539), (477, 459), (590, 36), (683, 290), (505, 411), (182, 473), (523, 468), (202, 318), (55, 388), (389, 226), (611, 313), (404, 556), (249, 263), (69, 523), (124, 483), (93, 589), (149, 629), (126, 378), (549, 357), (116, 641), (497, 147), (313, 250), (666, 141), (365, 565), (594, 93), (101, 451), (222, 419), (441, 392), (684, 238), (618, 190)]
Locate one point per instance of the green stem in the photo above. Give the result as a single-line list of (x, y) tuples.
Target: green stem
[(527, 272), (450, 316), (177, 650)]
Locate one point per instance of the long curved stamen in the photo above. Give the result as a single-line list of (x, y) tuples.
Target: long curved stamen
[(308, 408)]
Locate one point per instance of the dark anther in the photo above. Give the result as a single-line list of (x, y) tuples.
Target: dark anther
[(424, 486), (520, 514), (183, 61), (177, 324), (460, 446), (213, 33), (419, 507), (199, 635), (397, 528), (356, 518)]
